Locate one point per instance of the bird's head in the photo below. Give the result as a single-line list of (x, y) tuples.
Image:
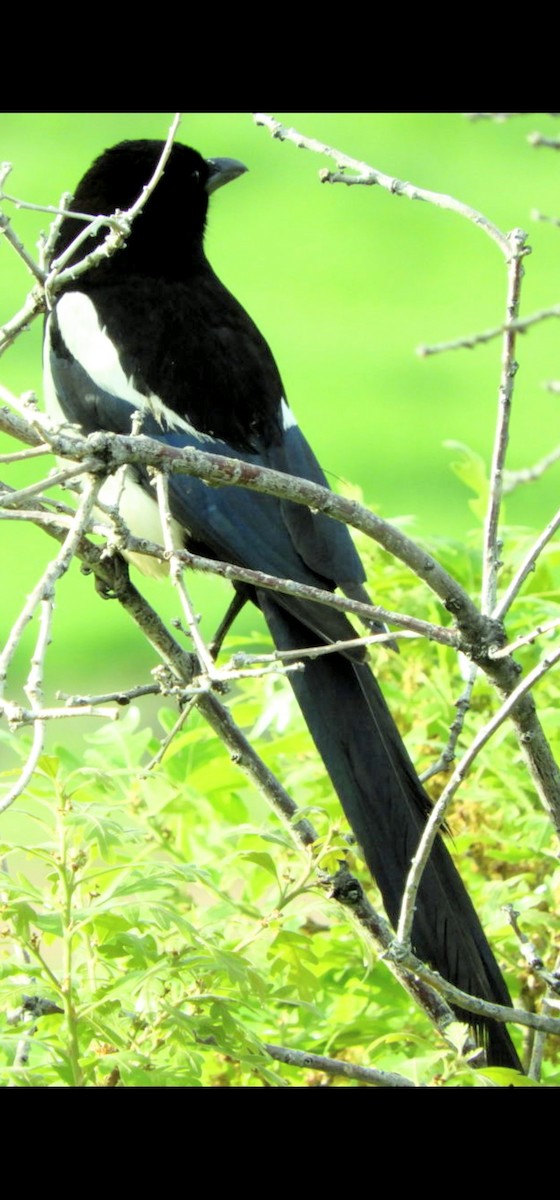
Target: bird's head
[(169, 230)]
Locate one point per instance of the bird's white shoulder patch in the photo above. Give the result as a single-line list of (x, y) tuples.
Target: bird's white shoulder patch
[(92, 347), (288, 419)]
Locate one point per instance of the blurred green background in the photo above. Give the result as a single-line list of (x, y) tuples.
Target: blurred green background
[(345, 283)]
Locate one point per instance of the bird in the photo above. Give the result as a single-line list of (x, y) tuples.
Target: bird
[(150, 334)]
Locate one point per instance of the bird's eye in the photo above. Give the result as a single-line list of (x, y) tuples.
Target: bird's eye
[(196, 176)]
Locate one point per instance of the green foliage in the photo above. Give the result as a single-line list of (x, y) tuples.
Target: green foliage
[(177, 926)]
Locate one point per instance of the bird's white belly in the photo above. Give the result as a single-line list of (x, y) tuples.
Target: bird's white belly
[(141, 515)]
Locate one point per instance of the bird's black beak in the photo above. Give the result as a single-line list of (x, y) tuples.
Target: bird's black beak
[(223, 170)]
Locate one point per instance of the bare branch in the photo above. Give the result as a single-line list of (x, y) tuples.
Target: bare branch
[(240, 659), (526, 640), (437, 815), (536, 215), (538, 139), (21, 455), (519, 325), (335, 1066), (15, 425), (14, 242), (48, 243), (525, 568), (57, 568), (55, 479), (513, 479), (480, 1008), (29, 768), (549, 1006), (509, 368), (462, 705), (122, 697), (34, 305), (176, 573), (499, 117), (369, 176), (530, 953)]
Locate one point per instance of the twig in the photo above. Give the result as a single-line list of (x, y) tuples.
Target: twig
[(530, 953), (499, 117), (538, 139), (28, 770), (369, 176), (525, 568), (551, 979), (20, 455), (12, 238), (119, 227), (45, 519), (437, 815), (509, 367), (111, 451), (519, 325), (549, 1006), (348, 892), (335, 1066), (536, 215), (472, 1004), (512, 479), (166, 742), (57, 568), (43, 595), (31, 1009), (16, 715), (240, 659), (48, 243), (59, 211), (121, 697), (526, 640), (462, 705), (34, 305), (366, 612), (33, 689), (55, 479), (13, 424), (176, 574)]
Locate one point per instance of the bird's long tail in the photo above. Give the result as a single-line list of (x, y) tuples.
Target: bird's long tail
[(386, 807)]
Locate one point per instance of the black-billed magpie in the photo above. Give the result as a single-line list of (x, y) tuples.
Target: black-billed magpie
[(152, 334)]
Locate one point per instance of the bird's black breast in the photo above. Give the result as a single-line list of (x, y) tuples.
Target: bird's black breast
[(192, 344)]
